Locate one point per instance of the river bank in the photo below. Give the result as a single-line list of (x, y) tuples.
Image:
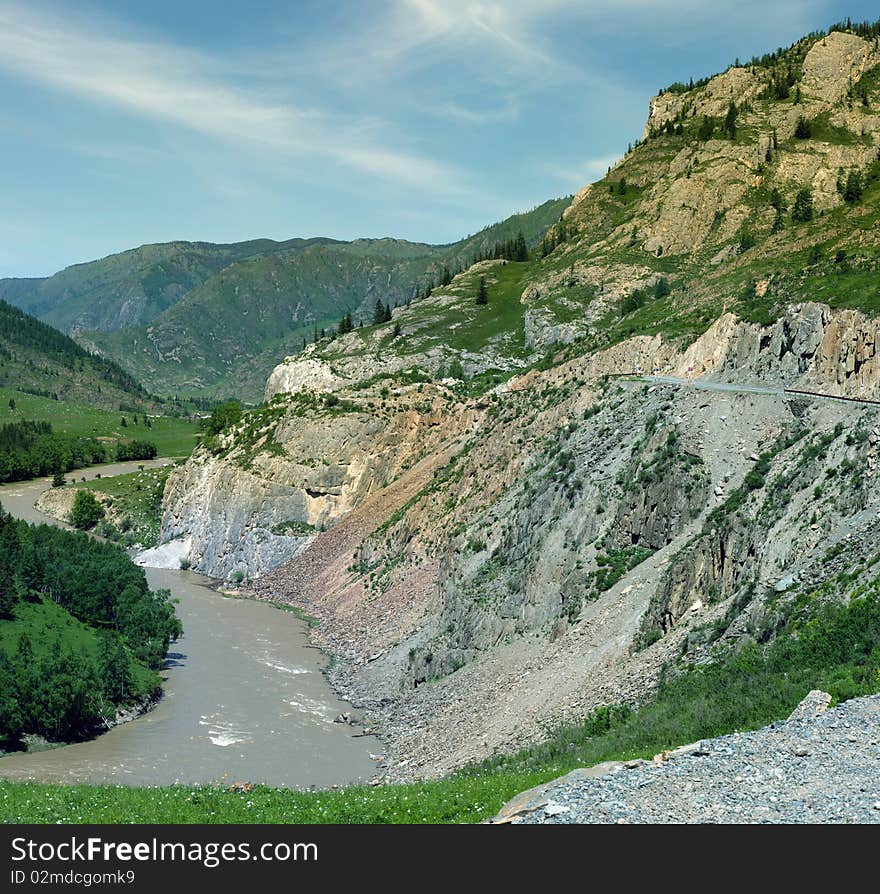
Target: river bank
[(245, 697)]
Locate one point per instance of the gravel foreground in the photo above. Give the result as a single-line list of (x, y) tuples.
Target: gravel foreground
[(812, 768)]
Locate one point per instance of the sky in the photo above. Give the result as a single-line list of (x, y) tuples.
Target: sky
[(124, 122)]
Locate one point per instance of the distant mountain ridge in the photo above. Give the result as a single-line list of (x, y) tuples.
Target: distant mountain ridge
[(204, 318), (132, 287), (35, 358)]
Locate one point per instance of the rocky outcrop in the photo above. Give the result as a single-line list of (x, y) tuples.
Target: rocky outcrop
[(664, 488), (265, 497), (694, 191), (302, 374), (812, 768), (811, 346), (834, 63), (767, 535)]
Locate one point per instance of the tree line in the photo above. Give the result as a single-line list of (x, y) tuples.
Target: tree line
[(20, 330), (31, 449), (51, 684)]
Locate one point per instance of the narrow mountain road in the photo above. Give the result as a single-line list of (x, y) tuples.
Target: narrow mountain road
[(708, 385)]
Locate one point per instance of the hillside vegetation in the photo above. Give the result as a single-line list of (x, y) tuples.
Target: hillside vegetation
[(494, 516), (201, 319), (742, 196), (81, 634)]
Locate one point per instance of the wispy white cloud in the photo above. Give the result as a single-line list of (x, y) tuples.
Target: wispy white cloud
[(405, 35), (508, 110), (177, 85)]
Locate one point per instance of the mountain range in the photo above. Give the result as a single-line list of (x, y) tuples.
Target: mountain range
[(205, 319), (564, 478)]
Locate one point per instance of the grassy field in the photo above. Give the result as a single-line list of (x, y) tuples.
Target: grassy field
[(137, 504), (835, 648), (172, 436)]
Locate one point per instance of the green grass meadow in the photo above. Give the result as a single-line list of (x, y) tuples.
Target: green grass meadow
[(171, 435)]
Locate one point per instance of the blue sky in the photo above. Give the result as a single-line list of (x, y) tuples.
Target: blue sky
[(129, 122)]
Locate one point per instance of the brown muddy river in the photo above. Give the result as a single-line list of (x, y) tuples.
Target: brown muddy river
[(244, 698)]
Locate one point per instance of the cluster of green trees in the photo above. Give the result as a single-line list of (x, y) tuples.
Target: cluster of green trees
[(782, 80), (482, 291), (670, 127), (381, 312), (560, 232), (680, 87), (511, 250), (785, 61), (639, 297), (849, 186), (32, 449), (86, 511), (802, 210), (225, 415), (515, 249), (803, 130), (133, 450), (63, 690), (124, 421)]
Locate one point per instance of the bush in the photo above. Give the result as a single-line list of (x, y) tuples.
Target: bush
[(225, 416), (852, 192), (803, 206), (87, 511), (632, 302), (662, 288), (133, 450), (803, 130)]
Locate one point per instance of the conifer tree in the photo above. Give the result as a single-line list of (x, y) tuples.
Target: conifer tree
[(730, 120), (482, 292), (803, 206), (852, 192)]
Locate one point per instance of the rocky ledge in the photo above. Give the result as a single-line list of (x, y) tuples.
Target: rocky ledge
[(816, 767)]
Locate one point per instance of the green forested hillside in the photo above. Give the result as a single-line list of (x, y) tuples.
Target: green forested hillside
[(225, 335), (46, 377), (36, 358), (80, 632), (212, 320), (132, 287)]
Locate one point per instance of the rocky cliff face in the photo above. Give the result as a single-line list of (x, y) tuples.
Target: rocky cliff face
[(506, 515), (567, 506), (703, 198), (810, 347), (295, 469)]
